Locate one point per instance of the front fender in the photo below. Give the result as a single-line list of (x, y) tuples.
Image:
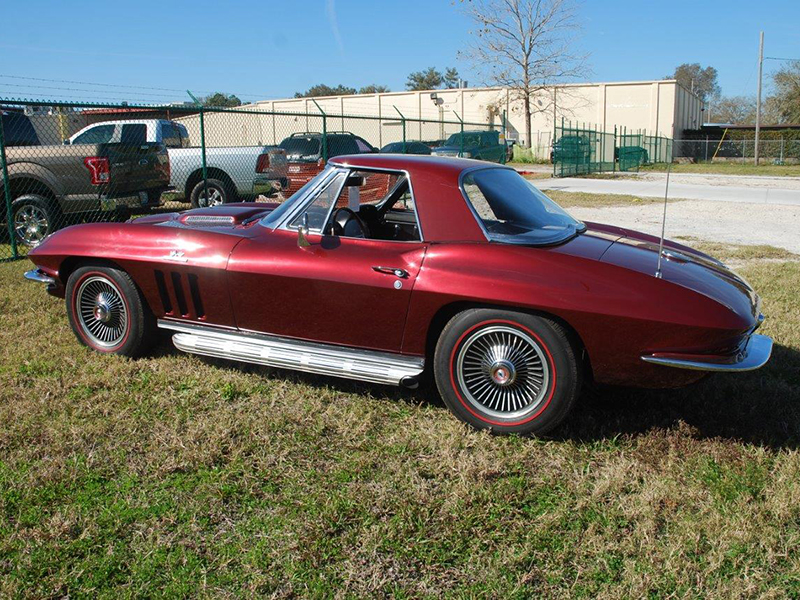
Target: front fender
[(180, 272)]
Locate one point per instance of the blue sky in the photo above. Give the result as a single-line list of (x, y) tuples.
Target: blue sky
[(271, 49)]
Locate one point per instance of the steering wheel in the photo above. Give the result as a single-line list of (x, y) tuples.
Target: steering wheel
[(346, 223)]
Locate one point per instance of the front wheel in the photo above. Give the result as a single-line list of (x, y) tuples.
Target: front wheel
[(107, 312), (212, 192), (35, 217), (507, 371)]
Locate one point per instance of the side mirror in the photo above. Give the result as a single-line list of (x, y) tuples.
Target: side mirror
[(302, 233)]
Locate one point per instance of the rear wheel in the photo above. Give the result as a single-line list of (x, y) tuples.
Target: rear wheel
[(35, 217), (216, 192), (506, 371), (106, 311)]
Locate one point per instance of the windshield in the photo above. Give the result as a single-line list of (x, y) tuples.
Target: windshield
[(274, 218), (512, 210), (469, 139), (300, 148)]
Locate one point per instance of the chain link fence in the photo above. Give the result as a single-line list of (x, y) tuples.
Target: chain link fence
[(781, 151), (581, 149), (65, 163)]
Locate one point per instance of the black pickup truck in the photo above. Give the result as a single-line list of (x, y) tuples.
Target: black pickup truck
[(54, 186)]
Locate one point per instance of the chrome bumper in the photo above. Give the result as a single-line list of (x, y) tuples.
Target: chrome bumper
[(754, 356), (39, 277)]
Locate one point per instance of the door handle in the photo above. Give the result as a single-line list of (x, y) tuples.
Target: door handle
[(401, 273)]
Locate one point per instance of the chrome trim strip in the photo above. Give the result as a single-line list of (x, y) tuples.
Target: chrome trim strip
[(39, 277), (311, 357), (755, 356)]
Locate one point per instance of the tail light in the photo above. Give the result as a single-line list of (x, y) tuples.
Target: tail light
[(262, 164), (98, 169)]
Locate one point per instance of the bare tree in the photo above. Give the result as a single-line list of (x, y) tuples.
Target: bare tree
[(525, 46)]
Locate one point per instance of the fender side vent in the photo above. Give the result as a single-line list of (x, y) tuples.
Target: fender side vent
[(163, 294), (197, 301), (177, 284)]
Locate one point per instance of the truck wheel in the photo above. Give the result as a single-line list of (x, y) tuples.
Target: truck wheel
[(35, 217), (506, 371), (219, 192), (107, 312)]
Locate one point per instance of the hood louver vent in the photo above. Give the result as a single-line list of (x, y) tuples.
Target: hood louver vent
[(208, 220)]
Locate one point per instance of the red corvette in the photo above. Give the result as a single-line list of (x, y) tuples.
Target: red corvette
[(461, 267)]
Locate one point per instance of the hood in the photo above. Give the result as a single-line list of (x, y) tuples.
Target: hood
[(683, 266), (222, 219)]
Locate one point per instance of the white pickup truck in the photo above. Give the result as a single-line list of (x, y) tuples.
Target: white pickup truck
[(231, 172)]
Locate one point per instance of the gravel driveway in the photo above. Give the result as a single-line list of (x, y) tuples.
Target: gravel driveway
[(736, 223)]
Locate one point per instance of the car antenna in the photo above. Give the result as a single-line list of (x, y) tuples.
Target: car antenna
[(663, 224)]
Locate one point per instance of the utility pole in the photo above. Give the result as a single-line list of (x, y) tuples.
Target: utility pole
[(758, 102)]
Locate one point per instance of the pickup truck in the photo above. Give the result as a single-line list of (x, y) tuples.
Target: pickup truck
[(232, 172), (481, 145), (52, 186)]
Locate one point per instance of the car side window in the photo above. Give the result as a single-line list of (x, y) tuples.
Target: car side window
[(101, 134), (341, 144), (363, 146), (169, 136)]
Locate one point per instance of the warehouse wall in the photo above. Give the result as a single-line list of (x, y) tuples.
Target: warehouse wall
[(659, 107)]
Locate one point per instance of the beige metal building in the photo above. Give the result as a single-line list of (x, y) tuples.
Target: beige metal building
[(660, 107)]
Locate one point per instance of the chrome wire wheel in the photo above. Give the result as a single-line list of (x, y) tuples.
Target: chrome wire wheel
[(502, 371), (31, 224), (213, 198), (102, 312)]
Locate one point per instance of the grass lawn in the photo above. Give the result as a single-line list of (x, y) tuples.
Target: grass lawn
[(729, 169), (572, 199), (177, 476)]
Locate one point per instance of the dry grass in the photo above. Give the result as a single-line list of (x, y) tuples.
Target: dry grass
[(175, 476), (729, 168), (738, 254), (571, 199)]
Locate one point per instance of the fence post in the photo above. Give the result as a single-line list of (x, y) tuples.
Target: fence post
[(706, 158), (505, 143), (461, 145), (203, 153), (781, 149), (403, 123), (614, 157), (7, 192), (324, 131), (202, 143)]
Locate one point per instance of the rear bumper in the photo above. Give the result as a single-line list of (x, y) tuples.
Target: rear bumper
[(753, 355)]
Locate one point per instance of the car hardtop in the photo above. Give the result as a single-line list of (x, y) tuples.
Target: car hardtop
[(414, 164), (330, 135)]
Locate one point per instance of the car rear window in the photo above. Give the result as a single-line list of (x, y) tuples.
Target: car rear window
[(134, 134), (513, 210), (302, 147)]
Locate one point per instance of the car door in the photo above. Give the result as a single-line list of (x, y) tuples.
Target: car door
[(336, 290)]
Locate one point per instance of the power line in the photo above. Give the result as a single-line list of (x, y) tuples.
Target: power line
[(123, 86)]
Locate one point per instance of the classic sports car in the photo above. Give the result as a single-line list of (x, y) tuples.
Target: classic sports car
[(462, 268)]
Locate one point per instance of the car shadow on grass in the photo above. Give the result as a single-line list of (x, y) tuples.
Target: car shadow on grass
[(759, 407)]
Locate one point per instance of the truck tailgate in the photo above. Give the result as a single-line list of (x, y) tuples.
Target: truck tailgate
[(136, 168)]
